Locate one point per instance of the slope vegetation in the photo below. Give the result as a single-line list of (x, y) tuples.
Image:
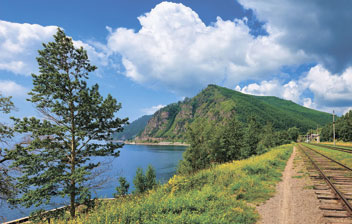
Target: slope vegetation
[(217, 103), (221, 194), (133, 129)]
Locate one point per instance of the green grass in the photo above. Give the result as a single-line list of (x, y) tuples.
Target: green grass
[(342, 157), (224, 193)]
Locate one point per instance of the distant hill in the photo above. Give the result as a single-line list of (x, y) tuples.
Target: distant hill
[(217, 103), (133, 129)]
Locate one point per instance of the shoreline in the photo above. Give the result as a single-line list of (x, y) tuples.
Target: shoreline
[(158, 143)]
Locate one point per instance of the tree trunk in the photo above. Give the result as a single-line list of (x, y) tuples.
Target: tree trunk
[(73, 183), (73, 163), (72, 206)]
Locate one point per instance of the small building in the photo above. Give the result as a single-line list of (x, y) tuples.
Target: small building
[(314, 138)]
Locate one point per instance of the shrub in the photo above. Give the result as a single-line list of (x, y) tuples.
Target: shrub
[(145, 182), (139, 181), (150, 178), (123, 188)]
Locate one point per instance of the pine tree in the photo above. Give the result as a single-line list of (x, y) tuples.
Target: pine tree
[(267, 137), (232, 140), (200, 135), (139, 181), (77, 124), (123, 188), (251, 137), (6, 133), (150, 178)]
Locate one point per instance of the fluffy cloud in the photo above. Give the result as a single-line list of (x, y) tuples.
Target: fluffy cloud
[(319, 28), (330, 91), (19, 44), (307, 102), (97, 53), (265, 88), (152, 110), (289, 91), (10, 88), (322, 34), (175, 49)]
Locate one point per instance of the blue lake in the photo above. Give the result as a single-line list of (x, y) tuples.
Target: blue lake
[(164, 159)]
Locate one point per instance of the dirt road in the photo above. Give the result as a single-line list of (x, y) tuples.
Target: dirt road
[(294, 202)]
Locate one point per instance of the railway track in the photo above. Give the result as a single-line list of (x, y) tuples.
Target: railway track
[(344, 149), (332, 183)]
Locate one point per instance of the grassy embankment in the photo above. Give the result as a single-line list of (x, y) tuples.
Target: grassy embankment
[(225, 193), (342, 157)]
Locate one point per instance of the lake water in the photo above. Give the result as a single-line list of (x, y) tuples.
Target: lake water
[(164, 159)]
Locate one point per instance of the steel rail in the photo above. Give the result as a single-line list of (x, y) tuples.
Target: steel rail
[(346, 167), (333, 147), (332, 186), (338, 146)]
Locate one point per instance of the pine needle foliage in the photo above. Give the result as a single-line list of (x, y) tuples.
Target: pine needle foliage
[(123, 188), (77, 123), (144, 182), (6, 133)]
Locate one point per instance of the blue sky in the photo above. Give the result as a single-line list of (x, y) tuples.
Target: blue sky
[(152, 53)]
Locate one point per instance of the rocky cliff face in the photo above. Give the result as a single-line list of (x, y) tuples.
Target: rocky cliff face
[(217, 104), (157, 122)]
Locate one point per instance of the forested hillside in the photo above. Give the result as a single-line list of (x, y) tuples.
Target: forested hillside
[(133, 129), (218, 103)]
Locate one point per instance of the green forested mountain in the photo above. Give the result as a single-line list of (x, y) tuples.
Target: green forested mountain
[(132, 130), (218, 103)]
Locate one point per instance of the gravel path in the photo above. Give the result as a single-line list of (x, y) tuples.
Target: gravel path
[(294, 200)]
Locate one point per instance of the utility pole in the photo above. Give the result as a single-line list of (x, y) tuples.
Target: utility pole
[(333, 125)]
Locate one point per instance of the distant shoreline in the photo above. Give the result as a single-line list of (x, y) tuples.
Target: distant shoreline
[(156, 143)]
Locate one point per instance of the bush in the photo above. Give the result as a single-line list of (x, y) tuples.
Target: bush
[(145, 182), (150, 178), (123, 188), (139, 181)]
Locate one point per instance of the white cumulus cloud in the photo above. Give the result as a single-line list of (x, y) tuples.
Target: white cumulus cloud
[(289, 91), (20, 42), (307, 102), (175, 49), (97, 53), (332, 90), (11, 88), (329, 91), (318, 27), (152, 110), (265, 88)]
